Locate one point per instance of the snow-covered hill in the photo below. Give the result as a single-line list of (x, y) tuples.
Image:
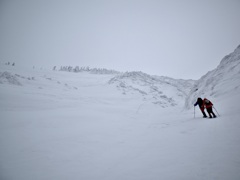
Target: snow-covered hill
[(222, 85), (57, 125), (143, 88), (162, 91)]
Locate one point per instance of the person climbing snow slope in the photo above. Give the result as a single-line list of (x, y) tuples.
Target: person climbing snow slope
[(208, 104), (201, 106)]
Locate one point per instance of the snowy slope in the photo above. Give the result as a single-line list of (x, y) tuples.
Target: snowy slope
[(137, 86), (57, 125), (221, 85), (162, 91)]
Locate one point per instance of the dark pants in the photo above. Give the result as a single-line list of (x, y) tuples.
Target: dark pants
[(210, 112), (202, 110)]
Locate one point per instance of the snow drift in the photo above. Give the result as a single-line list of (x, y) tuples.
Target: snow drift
[(7, 77)]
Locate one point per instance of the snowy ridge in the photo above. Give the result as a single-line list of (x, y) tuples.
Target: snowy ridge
[(162, 91), (221, 82)]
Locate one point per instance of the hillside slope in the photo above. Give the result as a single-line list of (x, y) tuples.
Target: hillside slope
[(139, 87), (220, 84), (162, 91)]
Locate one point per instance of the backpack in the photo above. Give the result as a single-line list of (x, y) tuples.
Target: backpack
[(207, 103)]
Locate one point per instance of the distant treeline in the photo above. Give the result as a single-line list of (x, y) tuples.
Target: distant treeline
[(10, 64), (86, 69)]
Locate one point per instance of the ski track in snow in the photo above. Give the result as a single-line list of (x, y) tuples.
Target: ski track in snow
[(59, 126)]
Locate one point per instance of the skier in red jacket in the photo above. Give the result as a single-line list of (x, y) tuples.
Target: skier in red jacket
[(208, 104)]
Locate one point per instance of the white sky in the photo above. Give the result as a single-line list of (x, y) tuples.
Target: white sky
[(176, 38)]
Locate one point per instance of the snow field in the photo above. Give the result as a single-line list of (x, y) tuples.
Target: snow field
[(59, 125)]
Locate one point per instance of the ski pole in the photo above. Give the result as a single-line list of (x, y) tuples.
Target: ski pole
[(194, 112), (216, 111)]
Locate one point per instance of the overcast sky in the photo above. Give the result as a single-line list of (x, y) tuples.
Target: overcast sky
[(176, 38)]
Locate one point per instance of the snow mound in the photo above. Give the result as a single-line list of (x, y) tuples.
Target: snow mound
[(162, 91), (7, 77), (221, 82)]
